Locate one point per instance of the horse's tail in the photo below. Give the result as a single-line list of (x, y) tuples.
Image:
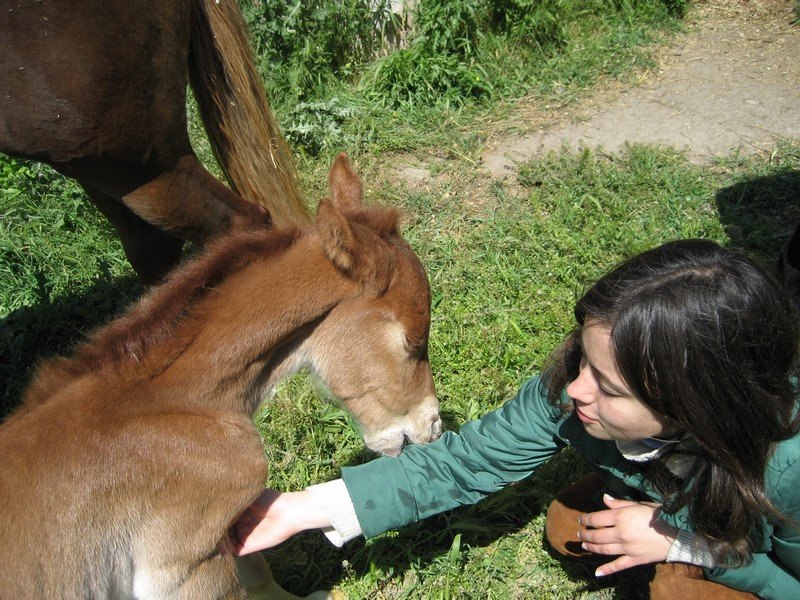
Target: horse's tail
[(243, 132)]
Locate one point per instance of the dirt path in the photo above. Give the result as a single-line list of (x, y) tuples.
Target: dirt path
[(731, 82)]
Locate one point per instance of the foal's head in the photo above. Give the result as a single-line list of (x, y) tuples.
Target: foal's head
[(372, 348)]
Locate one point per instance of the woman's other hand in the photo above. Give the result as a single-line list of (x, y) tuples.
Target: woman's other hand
[(629, 530)]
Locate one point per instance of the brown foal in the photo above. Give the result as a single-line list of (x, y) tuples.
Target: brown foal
[(127, 463)]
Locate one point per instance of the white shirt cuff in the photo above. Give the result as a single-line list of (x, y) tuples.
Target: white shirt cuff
[(692, 549), (334, 500)]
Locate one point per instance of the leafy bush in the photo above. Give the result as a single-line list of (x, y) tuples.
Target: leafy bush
[(537, 23), (440, 65), (451, 28), (302, 44)]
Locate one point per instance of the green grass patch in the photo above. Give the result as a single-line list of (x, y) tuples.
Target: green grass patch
[(505, 274), (62, 270)]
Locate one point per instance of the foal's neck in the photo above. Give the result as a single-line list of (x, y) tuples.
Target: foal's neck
[(240, 338)]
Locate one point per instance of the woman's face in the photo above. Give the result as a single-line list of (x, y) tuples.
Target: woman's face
[(603, 403)]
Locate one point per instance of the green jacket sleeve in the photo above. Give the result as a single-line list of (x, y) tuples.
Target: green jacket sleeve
[(460, 468), (774, 574), (767, 575)]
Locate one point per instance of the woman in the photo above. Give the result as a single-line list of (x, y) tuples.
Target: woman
[(678, 387)]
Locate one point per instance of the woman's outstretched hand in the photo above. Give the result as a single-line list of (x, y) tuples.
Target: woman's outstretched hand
[(630, 530), (273, 518)]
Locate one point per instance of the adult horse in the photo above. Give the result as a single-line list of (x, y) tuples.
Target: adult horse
[(127, 463), (97, 89)]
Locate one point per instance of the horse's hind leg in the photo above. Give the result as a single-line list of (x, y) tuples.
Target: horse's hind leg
[(188, 201), (257, 580), (151, 251)]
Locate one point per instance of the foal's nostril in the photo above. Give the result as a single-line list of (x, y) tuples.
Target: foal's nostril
[(397, 450)]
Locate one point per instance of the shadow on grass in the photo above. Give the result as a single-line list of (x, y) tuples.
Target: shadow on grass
[(761, 213), (53, 327)]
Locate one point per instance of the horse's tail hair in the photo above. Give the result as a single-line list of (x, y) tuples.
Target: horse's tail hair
[(243, 132)]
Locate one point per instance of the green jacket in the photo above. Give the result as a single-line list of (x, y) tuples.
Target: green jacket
[(508, 445)]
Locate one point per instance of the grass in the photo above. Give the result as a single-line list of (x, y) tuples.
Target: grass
[(506, 262), (62, 270), (505, 273)]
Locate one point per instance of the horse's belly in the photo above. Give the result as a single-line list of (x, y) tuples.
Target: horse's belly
[(92, 78)]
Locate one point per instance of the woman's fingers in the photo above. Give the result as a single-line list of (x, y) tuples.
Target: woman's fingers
[(609, 549), (601, 518), (608, 535), (612, 502)]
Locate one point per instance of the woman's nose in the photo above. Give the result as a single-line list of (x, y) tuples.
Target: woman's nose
[(582, 387)]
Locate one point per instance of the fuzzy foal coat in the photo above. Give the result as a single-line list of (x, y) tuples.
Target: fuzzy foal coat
[(127, 463)]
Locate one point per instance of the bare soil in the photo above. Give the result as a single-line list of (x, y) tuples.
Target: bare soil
[(731, 82)]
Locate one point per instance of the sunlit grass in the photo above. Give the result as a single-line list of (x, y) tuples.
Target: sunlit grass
[(505, 274)]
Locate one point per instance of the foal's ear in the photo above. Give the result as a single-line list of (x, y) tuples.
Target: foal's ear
[(338, 240), (345, 184), (355, 250)]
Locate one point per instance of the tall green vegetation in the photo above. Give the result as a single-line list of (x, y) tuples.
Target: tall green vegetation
[(329, 69), (304, 44)]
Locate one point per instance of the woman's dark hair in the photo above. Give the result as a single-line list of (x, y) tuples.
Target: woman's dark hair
[(708, 339)]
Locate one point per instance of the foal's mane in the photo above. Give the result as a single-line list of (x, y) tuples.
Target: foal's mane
[(156, 315), (381, 220)]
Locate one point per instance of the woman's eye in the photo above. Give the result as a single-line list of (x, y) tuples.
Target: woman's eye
[(605, 392)]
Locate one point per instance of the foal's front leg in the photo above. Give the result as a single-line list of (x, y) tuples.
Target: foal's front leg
[(257, 580), (203, 472)]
